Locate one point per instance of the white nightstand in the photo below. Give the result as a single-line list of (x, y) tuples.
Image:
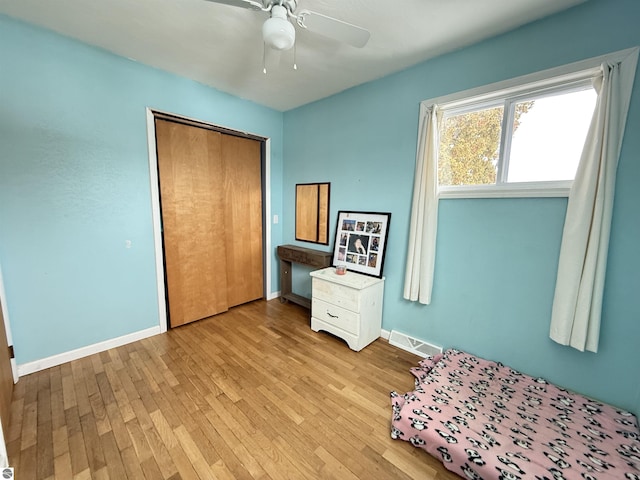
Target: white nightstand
[(348, 306)]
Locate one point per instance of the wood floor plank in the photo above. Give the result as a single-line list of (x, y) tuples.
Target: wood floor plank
[(308, 465), (228, 460), (77, 449), (151, 469), (60, 441), (141, 414), (112, 456), (407, 463), (16, 422), (69, 391), (185, 467), (205, 447), (93, 447), (164, 429), (44, 459), (119, 393), (139, 440), (29, 426), (44, 400), (118, 426), (220, 471), (233, 440), (160, 453), (62, 467), (57, 408), (100, 413), (192, 451), (101, 474), (83, 475), (251, 394), (384, 468), (27, 467), (131, 464), (80, 386), (256, 442), (93, 366), (334, 467)]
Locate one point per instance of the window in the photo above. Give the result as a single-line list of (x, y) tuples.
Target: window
[(505, 163), (525, 140)]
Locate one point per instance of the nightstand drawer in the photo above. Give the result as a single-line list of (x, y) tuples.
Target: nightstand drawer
[(336, 294), (334, 315)]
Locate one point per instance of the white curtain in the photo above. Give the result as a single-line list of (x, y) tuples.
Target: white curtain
[(577, 304), (418, 282)]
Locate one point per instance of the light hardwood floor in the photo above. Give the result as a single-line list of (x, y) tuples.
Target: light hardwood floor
[(249, 394)]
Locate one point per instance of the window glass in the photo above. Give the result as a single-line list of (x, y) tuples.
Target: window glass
[(548, 136), (470, 147), (533, 136)]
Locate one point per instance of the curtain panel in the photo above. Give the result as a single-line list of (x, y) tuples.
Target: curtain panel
[(577, 303), (421, 251)]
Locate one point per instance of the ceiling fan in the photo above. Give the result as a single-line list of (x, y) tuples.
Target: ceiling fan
[(279, 33)]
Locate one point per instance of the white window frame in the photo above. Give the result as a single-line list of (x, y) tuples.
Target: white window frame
[(547, 81)]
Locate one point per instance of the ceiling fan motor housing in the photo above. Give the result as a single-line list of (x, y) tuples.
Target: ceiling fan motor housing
[(277, 31)]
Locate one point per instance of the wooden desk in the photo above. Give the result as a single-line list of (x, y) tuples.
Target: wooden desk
[(305, 256)]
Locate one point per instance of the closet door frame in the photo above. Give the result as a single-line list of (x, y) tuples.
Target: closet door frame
[(152, 114)]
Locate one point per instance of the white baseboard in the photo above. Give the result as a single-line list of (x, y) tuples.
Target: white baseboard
[(59, 359), (273, 295), (385, 334)]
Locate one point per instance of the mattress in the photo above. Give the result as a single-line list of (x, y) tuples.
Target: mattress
[(484, 420)]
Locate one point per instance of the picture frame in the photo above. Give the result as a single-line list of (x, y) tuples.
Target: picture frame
[(361, 241)]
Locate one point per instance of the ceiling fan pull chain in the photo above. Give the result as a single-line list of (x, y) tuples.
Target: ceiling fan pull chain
[(264, 58), (295, 65)]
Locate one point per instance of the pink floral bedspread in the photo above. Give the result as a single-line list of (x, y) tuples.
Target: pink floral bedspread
[(484, 420)]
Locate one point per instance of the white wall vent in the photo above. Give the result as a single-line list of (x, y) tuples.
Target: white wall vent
[(413, 345)]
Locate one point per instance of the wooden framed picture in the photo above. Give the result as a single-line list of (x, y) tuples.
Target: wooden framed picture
[(361, 240)]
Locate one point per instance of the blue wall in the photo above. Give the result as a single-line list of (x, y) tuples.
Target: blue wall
[(74, 185), (497, 258)]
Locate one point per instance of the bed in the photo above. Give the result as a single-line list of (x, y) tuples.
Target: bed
[(484, 420)]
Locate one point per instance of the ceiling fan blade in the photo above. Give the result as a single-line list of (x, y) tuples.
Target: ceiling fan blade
[(250, 4), (333, 28)]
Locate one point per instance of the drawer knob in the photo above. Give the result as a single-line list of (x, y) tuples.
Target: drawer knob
[(332, 316)]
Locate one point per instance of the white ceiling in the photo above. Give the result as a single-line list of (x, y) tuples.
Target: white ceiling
[(221, 45)]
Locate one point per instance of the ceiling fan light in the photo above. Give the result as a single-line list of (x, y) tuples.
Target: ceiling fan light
[(277, 31)]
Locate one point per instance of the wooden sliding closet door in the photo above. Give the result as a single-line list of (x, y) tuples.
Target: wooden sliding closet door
[(243, 195), (211, 202), (189, 167)]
